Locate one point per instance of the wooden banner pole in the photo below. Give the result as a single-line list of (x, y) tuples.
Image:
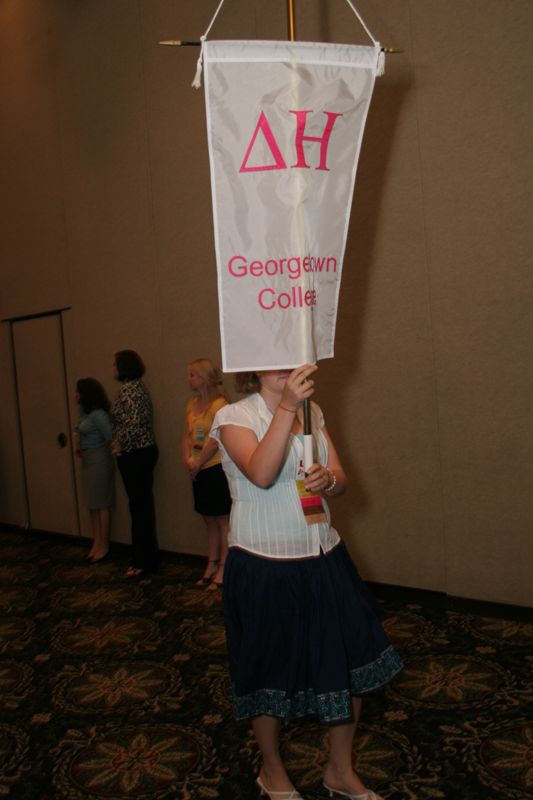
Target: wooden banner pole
[(290, 12), (308, 439)]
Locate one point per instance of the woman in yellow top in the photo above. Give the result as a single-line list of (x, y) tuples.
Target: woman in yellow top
[(201, 457)]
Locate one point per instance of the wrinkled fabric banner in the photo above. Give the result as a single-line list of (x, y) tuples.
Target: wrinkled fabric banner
[(285, 122)]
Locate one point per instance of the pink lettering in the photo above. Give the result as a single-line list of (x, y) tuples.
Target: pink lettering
[(301, 119), (284, 299), (294, 298), (293, 265), (240, 270), (260, 299), (256, 268), (266, 130), (273, 268)]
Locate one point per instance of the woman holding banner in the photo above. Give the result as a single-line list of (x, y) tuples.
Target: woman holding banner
[(302, 630)]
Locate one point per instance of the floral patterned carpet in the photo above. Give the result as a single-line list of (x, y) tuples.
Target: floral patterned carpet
[(112, 689)]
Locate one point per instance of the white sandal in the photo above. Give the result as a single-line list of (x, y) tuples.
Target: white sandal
[(292, 794), (370, 795)]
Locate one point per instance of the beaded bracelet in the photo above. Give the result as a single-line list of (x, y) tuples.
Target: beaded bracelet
[(331, 485), (291, 410)]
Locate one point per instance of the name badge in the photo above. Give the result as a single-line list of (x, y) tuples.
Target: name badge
[(311, 504), (199, 434)]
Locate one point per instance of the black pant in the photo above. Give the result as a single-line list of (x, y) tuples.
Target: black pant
[(137, 471)]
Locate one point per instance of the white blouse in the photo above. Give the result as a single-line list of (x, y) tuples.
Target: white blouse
[(270, 522)]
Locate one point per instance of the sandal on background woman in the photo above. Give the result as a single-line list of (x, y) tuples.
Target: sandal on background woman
[(133, 572), (217, 581), (209, 574)]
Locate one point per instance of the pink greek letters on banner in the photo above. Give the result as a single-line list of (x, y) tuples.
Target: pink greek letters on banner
[(264, 127), (279, 162)]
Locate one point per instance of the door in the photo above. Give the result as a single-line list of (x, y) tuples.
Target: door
[(45, 424)]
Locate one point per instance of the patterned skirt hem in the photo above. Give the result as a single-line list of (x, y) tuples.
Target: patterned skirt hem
[(329, 707)]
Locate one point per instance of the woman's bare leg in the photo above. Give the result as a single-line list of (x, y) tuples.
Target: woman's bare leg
[(102, 542), (339, 772), (272, 773), (105, 522), (222, 528), (213, 546), (95, 527)]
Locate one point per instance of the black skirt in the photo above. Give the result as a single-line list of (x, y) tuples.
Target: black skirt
[(303, 636), (211, 492)]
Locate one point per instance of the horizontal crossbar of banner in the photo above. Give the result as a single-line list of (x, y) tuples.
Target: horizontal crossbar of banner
[(187, 43)]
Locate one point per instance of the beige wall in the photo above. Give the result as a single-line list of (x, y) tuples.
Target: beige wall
[(105, 209)]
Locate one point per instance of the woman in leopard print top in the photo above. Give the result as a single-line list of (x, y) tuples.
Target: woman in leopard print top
[(136, 451), (132, 417)]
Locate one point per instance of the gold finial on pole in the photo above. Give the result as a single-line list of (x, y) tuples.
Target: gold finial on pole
[(179, 43)]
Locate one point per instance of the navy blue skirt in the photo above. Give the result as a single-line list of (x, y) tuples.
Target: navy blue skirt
[(303, 636)]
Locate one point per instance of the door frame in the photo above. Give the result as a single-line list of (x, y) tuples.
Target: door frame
[(12, 321)]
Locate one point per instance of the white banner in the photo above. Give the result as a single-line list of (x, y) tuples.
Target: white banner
[(285, 122)]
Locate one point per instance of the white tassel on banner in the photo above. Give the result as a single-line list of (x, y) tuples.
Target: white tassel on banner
[(381, 61), (197, 82)]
